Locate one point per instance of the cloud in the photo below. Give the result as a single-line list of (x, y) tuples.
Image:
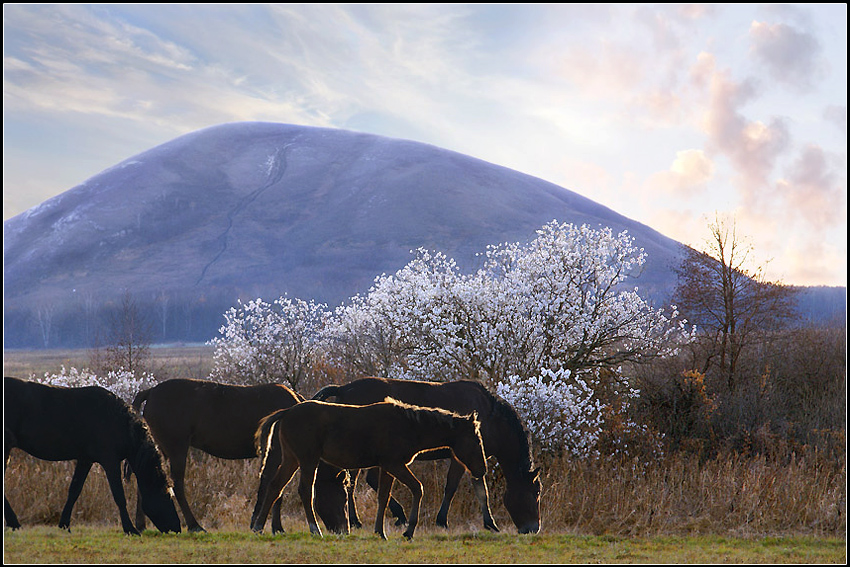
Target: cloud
[(688, 175), (790, 56), (837, 116), (813, 190), (752, 146)]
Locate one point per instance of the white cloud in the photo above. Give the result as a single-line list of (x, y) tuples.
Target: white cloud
[(791, 56)]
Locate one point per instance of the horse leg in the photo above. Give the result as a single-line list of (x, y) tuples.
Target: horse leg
[(396, 509), (483, 495), (177, 464), (406, 477), (270, 466), (353, 518), (272, 483), (277, 525), (113, 475), (456, 472), (81, 472), (8, 513), (140, 514), (305, 490), (385, 485)]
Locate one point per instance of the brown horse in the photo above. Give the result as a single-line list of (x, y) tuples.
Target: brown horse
[(89, 425), (504, 435), (221, 419), (387, 434)]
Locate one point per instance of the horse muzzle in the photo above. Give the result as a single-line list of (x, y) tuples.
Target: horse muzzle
[(530, 528)]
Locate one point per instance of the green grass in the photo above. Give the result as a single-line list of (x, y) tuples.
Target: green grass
[(95, 544)]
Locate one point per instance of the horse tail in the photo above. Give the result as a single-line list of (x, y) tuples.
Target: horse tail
[(326, 392), (263, 436), (141, 398)]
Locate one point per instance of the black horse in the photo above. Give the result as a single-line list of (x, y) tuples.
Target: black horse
[(505, 437), (388, 435), (91, 425), (221, 419)]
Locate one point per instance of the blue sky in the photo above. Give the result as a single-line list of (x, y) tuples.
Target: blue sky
[(669, 114)]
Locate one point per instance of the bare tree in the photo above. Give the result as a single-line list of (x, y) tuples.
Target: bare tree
[(162, 300), (44, 316), (129, 342), (730, 304)]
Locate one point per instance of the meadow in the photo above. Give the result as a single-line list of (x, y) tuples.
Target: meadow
[(682, 507)]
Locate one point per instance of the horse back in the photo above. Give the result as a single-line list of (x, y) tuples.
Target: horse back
[(350, 436), (219, 419), (462, 396)]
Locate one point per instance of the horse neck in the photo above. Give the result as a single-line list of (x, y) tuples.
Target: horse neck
[(435, 432), (508, 442)]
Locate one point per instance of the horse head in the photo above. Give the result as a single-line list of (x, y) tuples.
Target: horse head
[(522, 500)]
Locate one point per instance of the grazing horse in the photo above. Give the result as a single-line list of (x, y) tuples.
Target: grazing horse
[(221, 419), (387, 434), (504, 435), (89, 425)]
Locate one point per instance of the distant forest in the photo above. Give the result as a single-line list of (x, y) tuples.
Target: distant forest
[(186, 319)]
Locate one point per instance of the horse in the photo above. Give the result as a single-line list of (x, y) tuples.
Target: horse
[(388, 434), (504, 435), (221, 419), (89, 425)]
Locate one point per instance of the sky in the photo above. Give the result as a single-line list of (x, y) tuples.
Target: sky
[(673, 115)]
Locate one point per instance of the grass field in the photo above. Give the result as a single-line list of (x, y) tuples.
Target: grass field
[(89, 544)]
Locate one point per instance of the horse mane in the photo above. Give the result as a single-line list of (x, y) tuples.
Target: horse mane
[(502, 410), (146, 460), (428, 416)]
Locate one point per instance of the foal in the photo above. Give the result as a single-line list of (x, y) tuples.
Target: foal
[(388, 435)]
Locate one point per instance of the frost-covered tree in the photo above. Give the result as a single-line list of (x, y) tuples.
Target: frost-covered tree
[(265, 342), (562, 412), (123, 383), (556, 302)]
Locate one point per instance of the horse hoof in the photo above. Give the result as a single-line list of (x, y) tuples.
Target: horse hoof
[(492, 527), (197, 530), (401, 521)]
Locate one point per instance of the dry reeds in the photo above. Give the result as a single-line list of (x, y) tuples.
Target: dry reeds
[(676, 495)]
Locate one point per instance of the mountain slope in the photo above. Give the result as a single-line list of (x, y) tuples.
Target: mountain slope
[(262, 209)]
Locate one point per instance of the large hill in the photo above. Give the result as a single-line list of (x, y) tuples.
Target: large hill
[(250, 210)]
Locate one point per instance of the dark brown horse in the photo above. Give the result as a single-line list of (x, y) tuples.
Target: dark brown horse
[(388, 435), (221, 419), (89, 425), (505, 437)]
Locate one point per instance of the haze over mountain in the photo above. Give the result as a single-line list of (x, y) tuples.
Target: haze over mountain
[(248, 210)]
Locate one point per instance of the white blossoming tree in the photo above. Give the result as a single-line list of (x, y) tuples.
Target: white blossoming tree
[(122, 383), (265, 342)]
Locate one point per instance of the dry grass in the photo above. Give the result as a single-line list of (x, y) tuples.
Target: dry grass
[(676, 495)]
